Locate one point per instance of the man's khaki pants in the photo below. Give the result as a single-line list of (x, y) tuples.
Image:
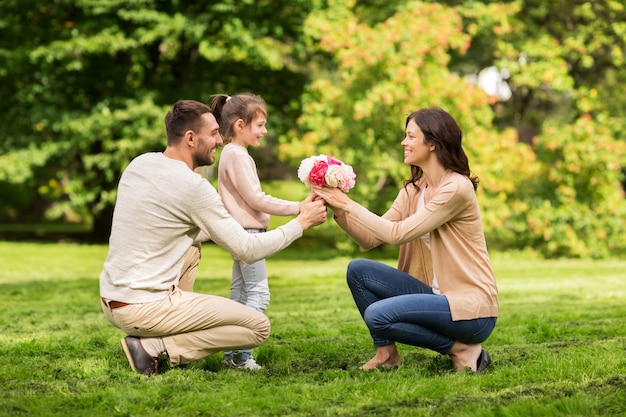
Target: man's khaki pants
[(192, 325)]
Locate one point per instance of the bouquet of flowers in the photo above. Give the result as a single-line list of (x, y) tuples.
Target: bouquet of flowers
[(327, 171)]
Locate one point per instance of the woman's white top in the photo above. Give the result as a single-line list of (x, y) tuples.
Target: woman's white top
[(426, 239)]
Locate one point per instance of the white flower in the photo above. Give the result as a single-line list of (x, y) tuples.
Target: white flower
[(305, 169), (333, 176)]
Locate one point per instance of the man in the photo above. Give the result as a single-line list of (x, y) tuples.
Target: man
[(163, 211)]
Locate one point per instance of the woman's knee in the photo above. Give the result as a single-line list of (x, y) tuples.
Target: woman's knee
[(356, 269), (375, 318)]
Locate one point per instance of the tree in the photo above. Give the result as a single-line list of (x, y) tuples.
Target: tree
[(356, 104), (565, 60), (90, 82), (356, 109)]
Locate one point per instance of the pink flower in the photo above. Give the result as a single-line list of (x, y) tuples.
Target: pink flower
[(323, 170), (348, 177), (333, 161), (318, 173)]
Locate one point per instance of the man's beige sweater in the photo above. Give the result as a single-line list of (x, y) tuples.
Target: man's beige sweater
[(458, 249), (163, 208)]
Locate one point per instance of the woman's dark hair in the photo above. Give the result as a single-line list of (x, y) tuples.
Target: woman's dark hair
[(441, 130), (183, 116), (228, 109)]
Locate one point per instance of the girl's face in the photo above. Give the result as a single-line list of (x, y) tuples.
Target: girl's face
[(416, 152), (251, 134)]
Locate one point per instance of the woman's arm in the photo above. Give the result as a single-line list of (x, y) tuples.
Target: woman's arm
[(450, 199), (400, 209), (448, 203)]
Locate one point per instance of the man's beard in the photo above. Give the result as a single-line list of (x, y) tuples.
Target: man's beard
[(203, 159)]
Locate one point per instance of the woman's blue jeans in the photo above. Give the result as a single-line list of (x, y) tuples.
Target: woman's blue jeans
[(396, 307)]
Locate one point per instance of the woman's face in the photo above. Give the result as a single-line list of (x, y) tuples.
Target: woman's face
[(416, 152)]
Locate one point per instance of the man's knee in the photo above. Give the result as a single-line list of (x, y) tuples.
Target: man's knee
[(263, 329)]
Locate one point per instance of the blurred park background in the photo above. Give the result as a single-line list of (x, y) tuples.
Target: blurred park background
[(536, 85)]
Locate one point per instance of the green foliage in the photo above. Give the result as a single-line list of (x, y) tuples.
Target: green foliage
[(581, 172), (557, 350), (88, 83), (378, 76), (380, 73), (91, 82)]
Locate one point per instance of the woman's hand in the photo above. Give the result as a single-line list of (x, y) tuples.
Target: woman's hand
[(334, 197)]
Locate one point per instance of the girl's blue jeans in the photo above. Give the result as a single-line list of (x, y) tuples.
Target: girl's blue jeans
[(397, 307)]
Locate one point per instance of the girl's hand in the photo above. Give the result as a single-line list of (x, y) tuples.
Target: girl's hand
[(311, 197)]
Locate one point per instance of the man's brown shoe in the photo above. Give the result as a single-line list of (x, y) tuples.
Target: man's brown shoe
[(138, 358)]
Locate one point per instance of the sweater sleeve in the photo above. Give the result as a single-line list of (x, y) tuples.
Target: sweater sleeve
[(240, 169), (210, 215)]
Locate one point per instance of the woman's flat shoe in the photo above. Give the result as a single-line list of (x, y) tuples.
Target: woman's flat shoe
[(483, 362)]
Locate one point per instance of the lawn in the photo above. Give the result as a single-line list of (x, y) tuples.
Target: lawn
[(559, 348)]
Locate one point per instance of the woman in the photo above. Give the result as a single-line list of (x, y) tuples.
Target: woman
[(443, 294)]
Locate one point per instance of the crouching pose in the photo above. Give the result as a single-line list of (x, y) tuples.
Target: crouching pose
[(443, 295), (164, 210)]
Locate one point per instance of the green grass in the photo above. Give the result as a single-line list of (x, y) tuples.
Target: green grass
[(559, 348)]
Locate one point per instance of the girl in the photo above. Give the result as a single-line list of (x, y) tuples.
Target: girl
[(242, 121)]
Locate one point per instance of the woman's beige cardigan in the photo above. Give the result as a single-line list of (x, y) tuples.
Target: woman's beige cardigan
[(458, 248)]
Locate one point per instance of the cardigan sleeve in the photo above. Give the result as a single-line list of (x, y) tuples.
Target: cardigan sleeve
[(364, 238), (449, 201)]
